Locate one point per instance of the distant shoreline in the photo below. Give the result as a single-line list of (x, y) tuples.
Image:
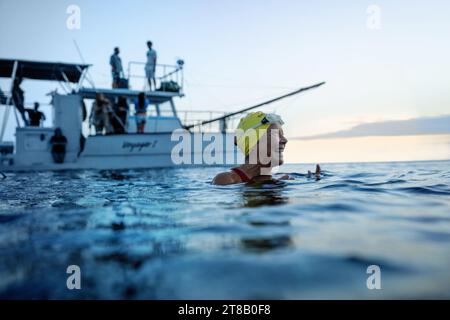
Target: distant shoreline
[(367, 162)]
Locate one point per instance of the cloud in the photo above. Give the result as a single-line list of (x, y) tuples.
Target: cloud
[(417, 126)]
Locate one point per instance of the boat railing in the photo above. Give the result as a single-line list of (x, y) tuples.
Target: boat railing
[(163, 73), (191, 117)]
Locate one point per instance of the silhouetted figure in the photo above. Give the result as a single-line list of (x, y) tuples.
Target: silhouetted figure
[(18, 98), (119, 120), (58, 142), (116, 67), (35, 116), (150, 66)]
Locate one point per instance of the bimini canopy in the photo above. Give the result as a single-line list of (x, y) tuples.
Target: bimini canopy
[(55, 71), (154, 97)]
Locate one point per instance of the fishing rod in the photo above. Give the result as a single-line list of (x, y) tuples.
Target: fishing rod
[(256, 106)]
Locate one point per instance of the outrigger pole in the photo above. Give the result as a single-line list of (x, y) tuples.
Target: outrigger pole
[(256, 106)]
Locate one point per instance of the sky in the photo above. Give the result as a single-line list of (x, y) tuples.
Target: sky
[(380, 66)]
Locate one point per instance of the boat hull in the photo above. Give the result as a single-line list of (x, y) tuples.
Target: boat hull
[(133, 151)]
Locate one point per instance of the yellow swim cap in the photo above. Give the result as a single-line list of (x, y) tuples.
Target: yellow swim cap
[(252, 127)]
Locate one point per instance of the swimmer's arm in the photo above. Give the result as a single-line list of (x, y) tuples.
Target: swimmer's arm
[(286, 177), (225, 178)]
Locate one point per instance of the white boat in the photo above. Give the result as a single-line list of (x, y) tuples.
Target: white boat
[(31, 150)]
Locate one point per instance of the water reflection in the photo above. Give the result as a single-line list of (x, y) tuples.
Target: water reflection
[(114, 175), (270, 234), (264, 193), (267, 244)]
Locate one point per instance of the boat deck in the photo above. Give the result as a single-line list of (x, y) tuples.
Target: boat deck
[(152, 96)]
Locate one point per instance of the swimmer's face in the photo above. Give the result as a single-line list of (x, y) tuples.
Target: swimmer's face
[(269, 152), (276, 142)]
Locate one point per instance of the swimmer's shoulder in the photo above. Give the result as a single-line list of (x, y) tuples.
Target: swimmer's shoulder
[(225, 178)]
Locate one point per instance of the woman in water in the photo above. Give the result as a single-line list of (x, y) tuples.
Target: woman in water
[(261, 138)]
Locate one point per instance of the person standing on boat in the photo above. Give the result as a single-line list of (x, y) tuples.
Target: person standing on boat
[(150, 66), (140, 107), (119, 119), (116, 67), (100, 115), (35, 116)]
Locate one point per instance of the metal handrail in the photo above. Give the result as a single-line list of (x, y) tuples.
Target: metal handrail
[(171, 72), (209, 114)]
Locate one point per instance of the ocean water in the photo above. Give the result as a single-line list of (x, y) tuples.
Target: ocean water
[(170, 234)]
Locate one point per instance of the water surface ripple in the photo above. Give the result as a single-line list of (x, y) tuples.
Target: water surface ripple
[(170, 234)]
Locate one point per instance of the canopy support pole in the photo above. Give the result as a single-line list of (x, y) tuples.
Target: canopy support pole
[(67, 83), (84, 76)]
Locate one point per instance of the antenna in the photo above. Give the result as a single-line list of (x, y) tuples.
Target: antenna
[(79, 51), (90, 80)]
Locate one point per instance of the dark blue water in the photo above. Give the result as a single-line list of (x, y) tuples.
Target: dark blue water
[(159, 234)]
